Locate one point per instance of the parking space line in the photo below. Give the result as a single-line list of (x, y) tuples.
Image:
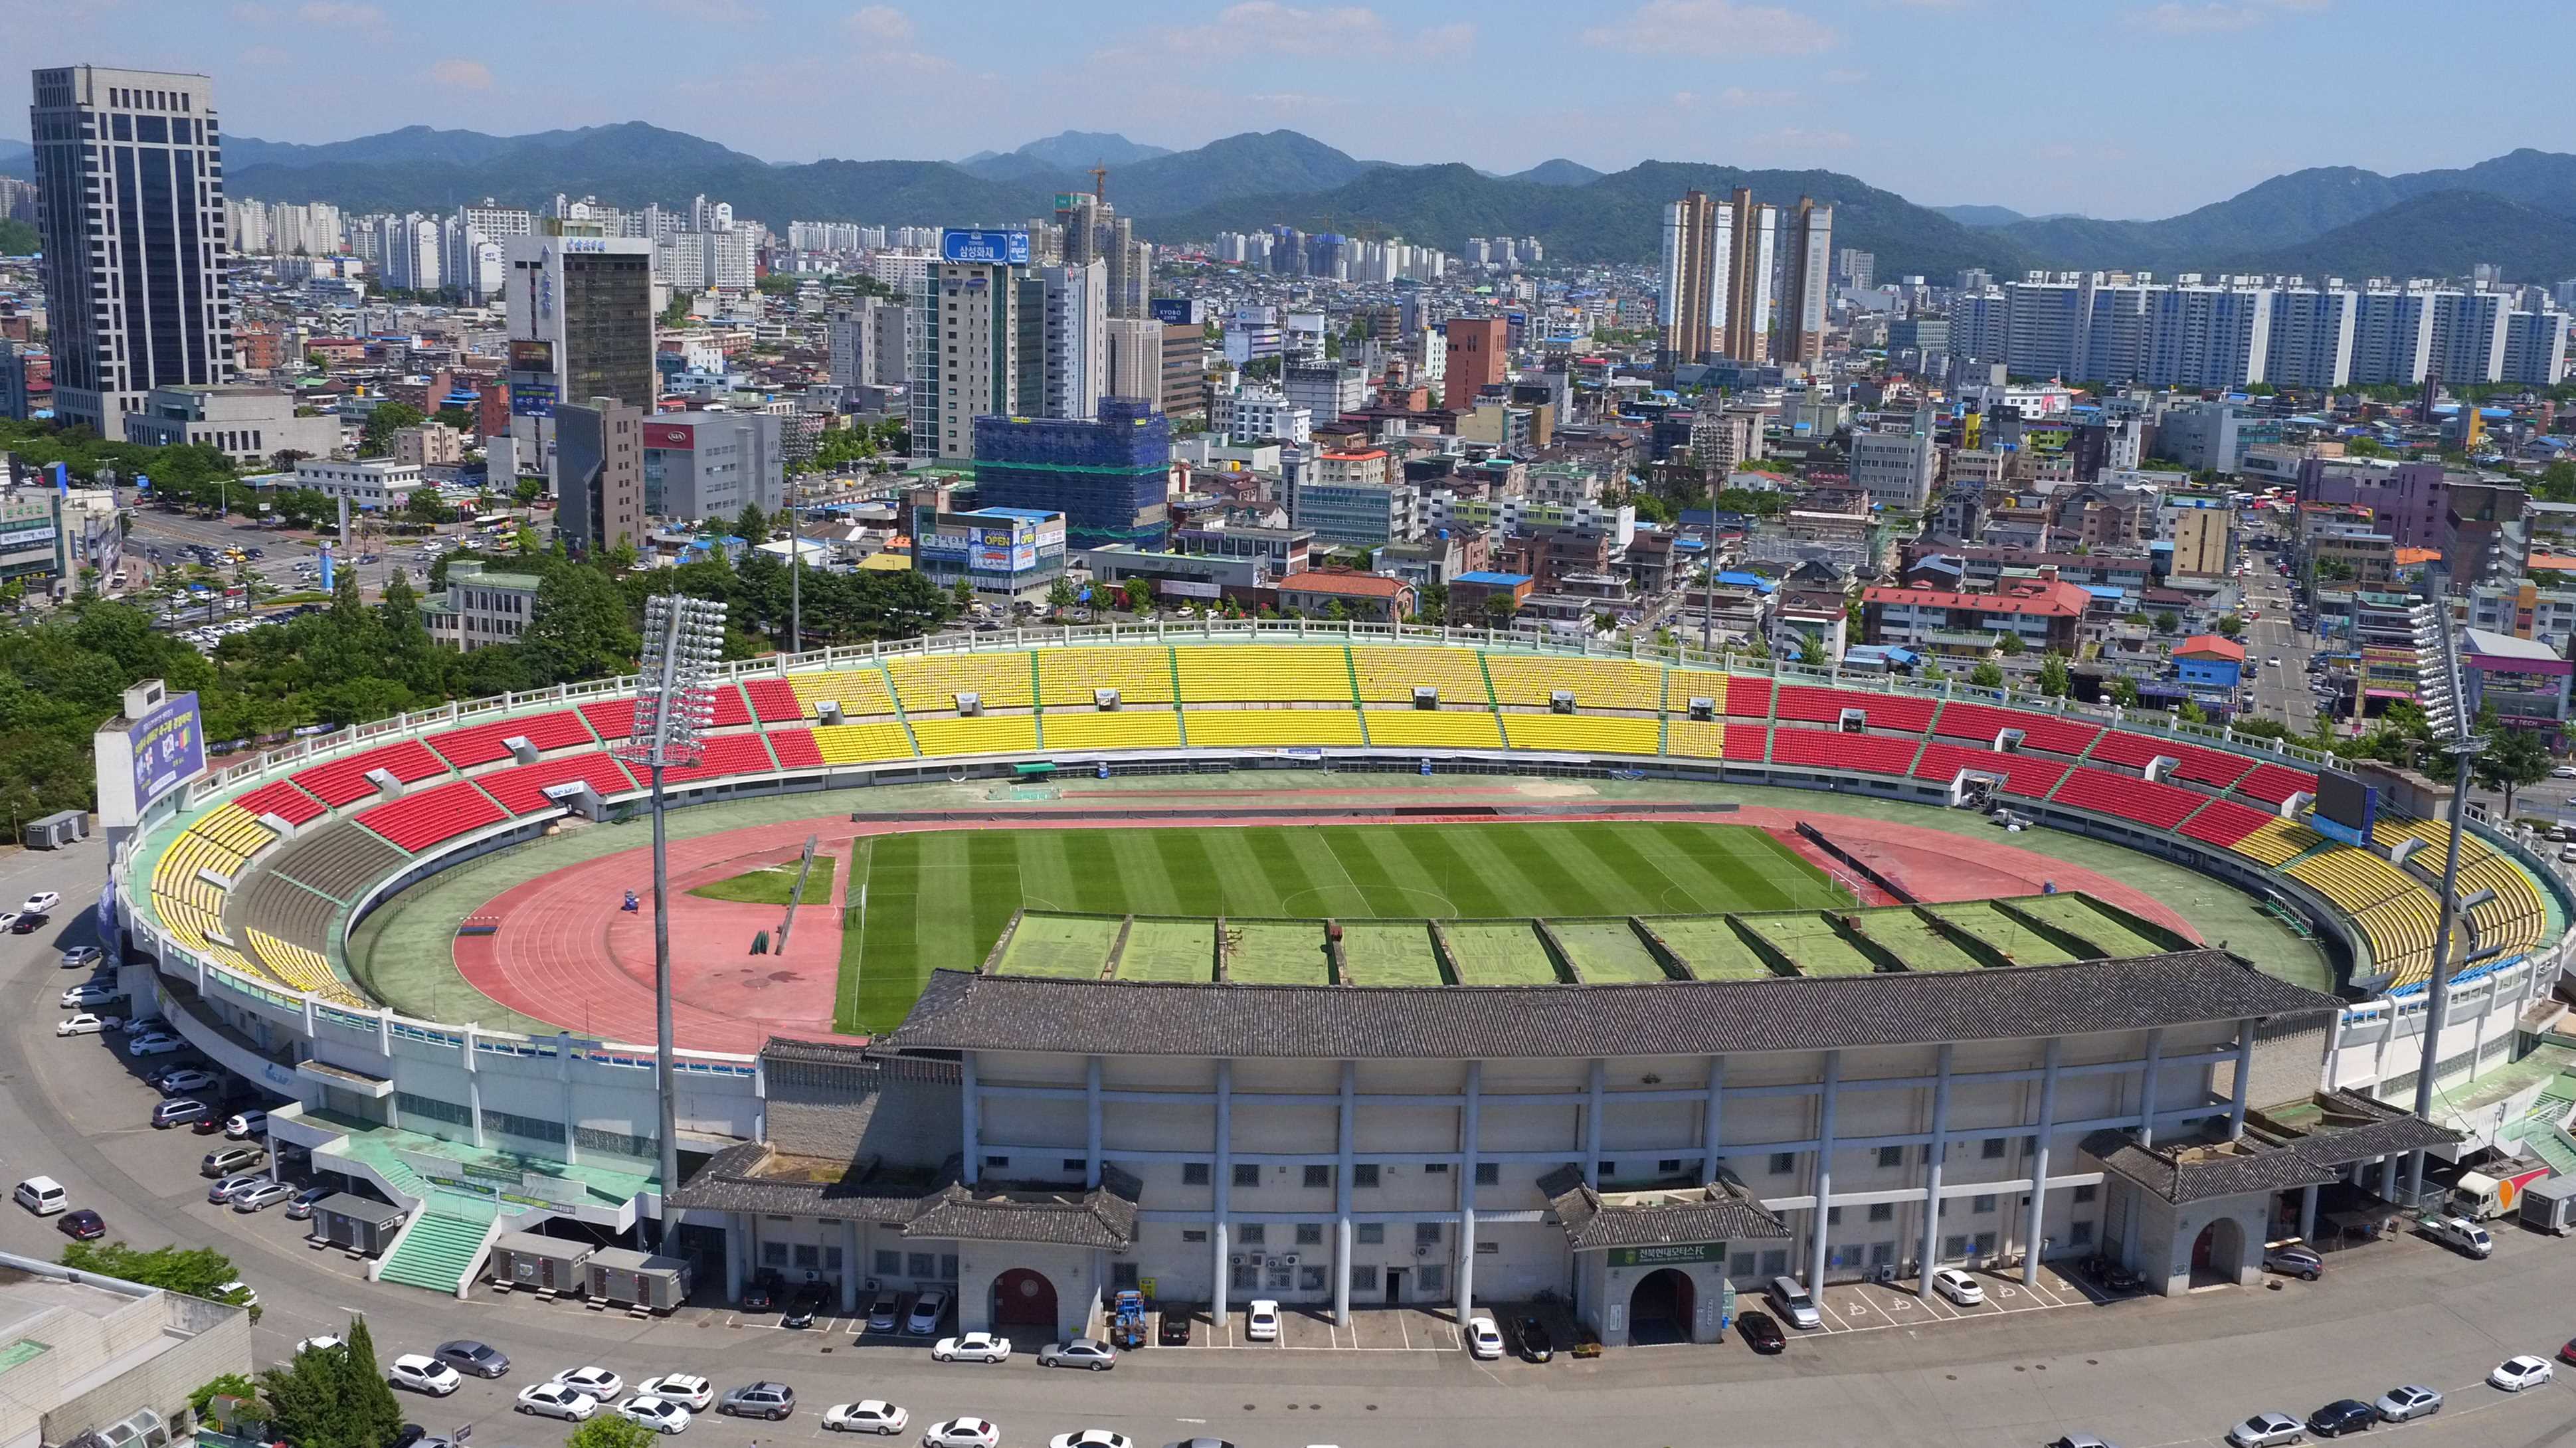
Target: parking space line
[(1838, 1324)]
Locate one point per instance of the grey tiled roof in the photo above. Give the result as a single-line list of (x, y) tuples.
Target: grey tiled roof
[(963, 1011), (1721, 1214), (2186, 1176), (1104, 1216), (732, 1181), (2348, 1128)]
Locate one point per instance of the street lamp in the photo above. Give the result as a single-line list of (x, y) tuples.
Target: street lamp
[(674, 705)]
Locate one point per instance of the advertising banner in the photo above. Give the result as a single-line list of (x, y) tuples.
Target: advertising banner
[(532, 356), (1668, 1255), (670, 435), (532, 399), (169, 748), (985, 246)]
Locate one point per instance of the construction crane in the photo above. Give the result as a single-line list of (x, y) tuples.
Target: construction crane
[(1099, 182)]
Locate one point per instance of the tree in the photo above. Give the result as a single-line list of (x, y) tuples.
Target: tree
[(2230, 625), (333, 1397), (2124, 692), (1499, 610), (1060, 597), (188, 1271), (316, 361), (753, 525), (1140, 595), (2013, 647), (527, 490), (578, 628), (2054, 677), (2168, 621), (230, 1385), (610, 1431), (425, 506), (677, 313), (376, 438), (963, 593), (2513, 760), (2191, 713), (1987, 675)]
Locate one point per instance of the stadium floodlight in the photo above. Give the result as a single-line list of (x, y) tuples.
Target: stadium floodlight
[(2464, 748), (675, 705)]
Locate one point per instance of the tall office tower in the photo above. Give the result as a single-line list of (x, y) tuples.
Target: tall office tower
[(1694, 299), (1748, 276), (867, 344), (1069, 368), (1857, 267), (1135, 358), (1806, 295), (130, 207), (1479, 357), (966, 360), (580, 310)]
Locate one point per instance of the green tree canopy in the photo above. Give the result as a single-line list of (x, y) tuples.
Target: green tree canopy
[(1987, 675), (2054, 676), (376, 436)]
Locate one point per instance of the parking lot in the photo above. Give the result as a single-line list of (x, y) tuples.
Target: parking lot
[(1312, 1329), (1876, 1306)]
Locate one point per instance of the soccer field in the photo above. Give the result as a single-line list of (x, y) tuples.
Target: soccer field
[(932, 900)]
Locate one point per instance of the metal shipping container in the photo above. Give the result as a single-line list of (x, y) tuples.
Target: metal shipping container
[(628, 1278), (540, 1263)]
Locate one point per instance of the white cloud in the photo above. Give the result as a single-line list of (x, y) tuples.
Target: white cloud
[(1719, 28), (1269, 28), (339, 12), (880, 23), (467, 74), (2183, 17), (1844, 75)]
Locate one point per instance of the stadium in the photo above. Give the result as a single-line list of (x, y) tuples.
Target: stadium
[(1121, 956)]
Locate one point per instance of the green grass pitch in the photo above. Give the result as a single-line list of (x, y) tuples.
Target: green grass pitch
[(939, 899)]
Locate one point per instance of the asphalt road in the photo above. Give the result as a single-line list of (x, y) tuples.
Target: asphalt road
[(2280, 691), (2143, 1374)]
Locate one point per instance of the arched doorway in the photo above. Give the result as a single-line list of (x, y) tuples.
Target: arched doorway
[(1022, 1298), (2218, 1254), (1660, 1308)]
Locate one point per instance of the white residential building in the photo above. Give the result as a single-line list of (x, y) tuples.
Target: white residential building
[(373, 483)]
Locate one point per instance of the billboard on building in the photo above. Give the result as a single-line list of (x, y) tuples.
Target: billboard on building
[(670, 435), (996, 248), (532, 399), (2347, 809), (528, 355), (155, 746)]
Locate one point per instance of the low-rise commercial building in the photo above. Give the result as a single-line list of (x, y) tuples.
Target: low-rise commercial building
[(375, 484), (1367, 597), (2043, 615), (247, 424), (477, 608), (1003, 553), (89, 1354)]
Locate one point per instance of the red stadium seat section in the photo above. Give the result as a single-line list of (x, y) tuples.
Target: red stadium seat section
[(483, 743), (1808, 704), (2023, 775), (1746, 742), (614, 719), (2158, 806), (2275, 783), (1980, 723), (796, 749), (1833, 749), (725, 754), (417, 821), (283, 800), (522, 790), (774, 700), (344, 780), (1748, 698), (2224, 823)]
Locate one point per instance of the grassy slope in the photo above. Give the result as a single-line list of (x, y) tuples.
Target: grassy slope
[(770, 884), (925, 901)]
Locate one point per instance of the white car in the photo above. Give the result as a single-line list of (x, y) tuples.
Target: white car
[(180, 1083), (2265, 1430), (242, 1126), (1484, 1340), (555, 1400), (600, 1383), (41, 903), (153, 1043), (86, 1024), (1958, 1286), (238, 1293), (2517, 1373), (424, 1374), (974, 1347), (324, 1343), (962, 1433), (686, 1389), (90, 995), (1091, 1438), (926, 1312), (659, 1414), (1261, 1320), (870, 1415)]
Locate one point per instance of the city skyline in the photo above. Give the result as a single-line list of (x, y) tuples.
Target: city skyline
[(1845, 87)]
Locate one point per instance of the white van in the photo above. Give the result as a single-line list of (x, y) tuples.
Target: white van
[(1794, 1303), (43, 1196)]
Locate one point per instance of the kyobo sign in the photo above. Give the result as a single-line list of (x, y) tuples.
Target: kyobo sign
[(1673, 1255)]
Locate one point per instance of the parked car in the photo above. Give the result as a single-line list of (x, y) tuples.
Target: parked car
[(555, 1400), (81, 1226), (600, 1383), (1958, 1286), (962, 1433), (885, 1312), (229, 1160), (301, 1210), (2517, 1373), (153, 1043), (760, 1294), (2295, 1261), (927, 1310), (29, 924), (2401, 1405), (1484, 1340), (93, 994), (759, 1400), (686, 1389), (422, 1373), (1175, 1330), (82, 957), (1090, 1438), (659, 1414), (807, 1305), (262, 1197), (869, 1415), (1792, 1302), (85, 1024), (1081, 1352), (2265, 1430), (974, 1347), (183, 1083), (224, 1189), (2343, 1415), (324, 1343), (464, 1354), (1261, 1320), (1760, 1333), (2460, 1235), (1538, 1345), (41, 902), (243, 1125)]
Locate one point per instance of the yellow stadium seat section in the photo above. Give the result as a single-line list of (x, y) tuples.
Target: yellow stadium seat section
[(1007, 734), (1684, 685), (1595, 683), (862, 743), (2276, 842), (1695, 739), (859, 692), (1269, 728), (1390, 674), (1434, 728), (933, 682), (1113, 729), (1582, 733), (1068, 677), (1264, 673)]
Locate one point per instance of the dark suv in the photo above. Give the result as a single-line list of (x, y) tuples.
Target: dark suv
[(2345, 1415), (809, 1304), (761, 1293)]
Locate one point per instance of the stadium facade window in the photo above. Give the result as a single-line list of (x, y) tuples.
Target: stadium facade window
[(1319, 1177), (1488, 1174), (1370, 1234), (1992, 1148), (1122, 1276), (1891, 1156), (1983, 1205), (2087, 1192), (1194, 1173), (1075, 1163), (1882, 1211), (1310, 1234), (1426, 1234), (889, 1264), (1252, 1234), (1194, 1234), (1363, 1278), (1783, 1162), (2080, 1234), (1247, 1174)]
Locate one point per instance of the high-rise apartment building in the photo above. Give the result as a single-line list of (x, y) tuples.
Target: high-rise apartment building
[(580, 316), (966, 359), (1135, 358), (1479, 357), (1807, 290), (1747, 314), (1070, 365), (130, 206), (2312, 337), (1697, 245)]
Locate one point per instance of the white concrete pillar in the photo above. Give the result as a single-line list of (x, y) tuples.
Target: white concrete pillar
[(736, 1229), (1594, 1086), (1824, 1169), (1712, 1118), (2244, 1069), (2147, 1086), (970, 1104), (1091, 1122), (1468, 1128), (2030, 1237), (1936, 1156), (1344, 1136), (2308, 1214), (1222, 1179), (851, 1267)]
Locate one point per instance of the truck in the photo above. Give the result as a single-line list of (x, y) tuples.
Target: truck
[(2480, 1197)]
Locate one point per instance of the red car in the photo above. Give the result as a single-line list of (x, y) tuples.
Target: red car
[(83, 1225), (2567, 1354)]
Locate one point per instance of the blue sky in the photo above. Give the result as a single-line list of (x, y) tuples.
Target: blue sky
[(2109, 107)]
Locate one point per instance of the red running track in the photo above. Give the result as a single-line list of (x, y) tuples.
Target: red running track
[(567, 955)]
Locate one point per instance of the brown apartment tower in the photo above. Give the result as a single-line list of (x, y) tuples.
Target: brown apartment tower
[(1694, 277), (1806, 291), (1748, 273)]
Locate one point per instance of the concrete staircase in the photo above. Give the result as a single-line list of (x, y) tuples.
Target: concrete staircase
[(442, 1245)]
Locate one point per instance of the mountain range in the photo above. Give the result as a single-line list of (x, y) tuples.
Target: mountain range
[(2517, 210)]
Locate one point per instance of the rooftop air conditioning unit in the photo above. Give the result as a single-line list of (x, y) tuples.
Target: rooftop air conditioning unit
[(1288, 1260)]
